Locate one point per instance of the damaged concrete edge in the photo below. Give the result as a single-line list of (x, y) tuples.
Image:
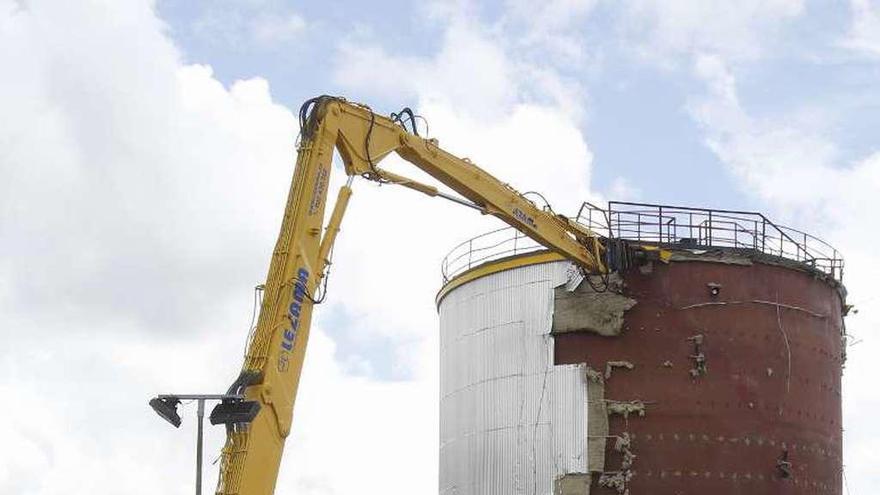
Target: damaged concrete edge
[(586, 310), (610, 365), (619, 480), (747, 257), (725, 255), (625, 408), (597, 421), (572, 484), (711, 256)]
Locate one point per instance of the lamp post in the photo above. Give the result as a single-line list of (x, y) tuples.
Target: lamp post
[(199, 441), (232, 410)]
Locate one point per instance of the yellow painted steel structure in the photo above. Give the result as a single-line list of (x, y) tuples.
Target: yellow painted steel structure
[(271, 372)]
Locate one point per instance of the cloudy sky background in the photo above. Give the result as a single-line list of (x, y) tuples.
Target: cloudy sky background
[(146, 150)]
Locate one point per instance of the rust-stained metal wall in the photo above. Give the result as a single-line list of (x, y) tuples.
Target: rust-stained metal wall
[(716, 372), (737, 364)]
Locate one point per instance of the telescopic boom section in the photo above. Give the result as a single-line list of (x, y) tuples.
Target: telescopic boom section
[(270, 376)]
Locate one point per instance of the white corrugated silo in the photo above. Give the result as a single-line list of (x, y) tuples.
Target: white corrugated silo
[(511, 422)]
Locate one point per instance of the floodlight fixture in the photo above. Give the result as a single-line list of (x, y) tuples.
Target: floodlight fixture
[(233, 409), (166, 408)]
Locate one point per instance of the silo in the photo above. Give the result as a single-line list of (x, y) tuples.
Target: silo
[(710, 364)]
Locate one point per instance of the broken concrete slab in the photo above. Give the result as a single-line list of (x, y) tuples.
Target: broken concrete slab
[(586, 310), (726, 257), (625, 408), (597, 424), (573, 484), (610, 365)]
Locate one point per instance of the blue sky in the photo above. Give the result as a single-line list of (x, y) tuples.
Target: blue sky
[(636, 118), (147, 151)]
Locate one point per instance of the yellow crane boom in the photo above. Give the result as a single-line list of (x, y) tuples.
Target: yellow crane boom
[(270, 375)]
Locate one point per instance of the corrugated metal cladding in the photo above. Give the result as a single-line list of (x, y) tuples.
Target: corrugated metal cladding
[(510, 421)]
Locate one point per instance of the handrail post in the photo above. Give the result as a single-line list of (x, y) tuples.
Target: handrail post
[(709, 230), (804, 247), (639, 226), (764, 235), (755, 236), (660, 224), (691, 224)]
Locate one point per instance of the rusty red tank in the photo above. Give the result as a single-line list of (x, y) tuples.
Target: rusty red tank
[(711, 362), (738, 367)]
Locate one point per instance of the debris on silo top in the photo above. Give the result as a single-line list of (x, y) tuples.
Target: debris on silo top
[(722, 256)]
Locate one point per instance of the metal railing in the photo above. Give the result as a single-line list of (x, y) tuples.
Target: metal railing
[(701, 228), (665, 225), (497, 244)]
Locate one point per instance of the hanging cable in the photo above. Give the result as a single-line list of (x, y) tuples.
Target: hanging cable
[(373, 175), (427, 127), (367, 141), (321, 292), (546, 203), (308, 120), (408, 113), (252, 328)]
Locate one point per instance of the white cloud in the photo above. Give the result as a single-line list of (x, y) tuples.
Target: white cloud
[(736, 29), (470, 70), (761, 152), (356, 434), (389, 285), (550, 15), (479, 106), (480, 69), (864, 35), (798, 175), (786, 161), (140, 202), (553, 29), (476, 104), (622, 189)]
